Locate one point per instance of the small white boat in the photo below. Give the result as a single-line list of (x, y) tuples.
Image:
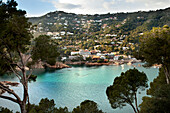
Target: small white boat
[(122, 67)]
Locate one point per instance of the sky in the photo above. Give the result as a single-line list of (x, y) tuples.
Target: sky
[(36, 8)]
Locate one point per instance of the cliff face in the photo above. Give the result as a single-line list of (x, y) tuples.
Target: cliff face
[(38, 65)]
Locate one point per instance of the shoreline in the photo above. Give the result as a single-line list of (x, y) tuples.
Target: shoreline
[(61, 65), (115, 62)]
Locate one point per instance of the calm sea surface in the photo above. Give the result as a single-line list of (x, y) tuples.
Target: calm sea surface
[(70, 86)]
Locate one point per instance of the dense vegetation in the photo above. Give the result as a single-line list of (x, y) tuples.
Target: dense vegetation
[(48, 106), (159, 96), (155, 48)]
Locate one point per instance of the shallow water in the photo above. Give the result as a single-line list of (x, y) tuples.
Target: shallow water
[(70, 86)]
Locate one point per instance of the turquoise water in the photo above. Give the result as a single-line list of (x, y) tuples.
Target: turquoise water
[(70, 86)]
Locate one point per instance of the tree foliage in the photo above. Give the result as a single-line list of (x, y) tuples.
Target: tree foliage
[(87, 106), (45, 49), (13, 34), (5, 110), (47, 106), (14, 43), (155, 48), (159, 100), (125, 87)]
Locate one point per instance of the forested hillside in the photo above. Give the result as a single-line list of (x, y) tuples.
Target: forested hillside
[(105, 32), (104, 23)]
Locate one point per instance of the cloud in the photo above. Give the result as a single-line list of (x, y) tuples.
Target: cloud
[(34, 15), (130, 0), (156, 3), (59, 4), (108, 5), (105, 6), (150, 3), (67, 6)]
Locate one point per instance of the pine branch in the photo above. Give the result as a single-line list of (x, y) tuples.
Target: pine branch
[(6, 88), (9, 98)]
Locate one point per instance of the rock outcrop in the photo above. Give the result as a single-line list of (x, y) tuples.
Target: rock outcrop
[(58, 65), (96, 64)]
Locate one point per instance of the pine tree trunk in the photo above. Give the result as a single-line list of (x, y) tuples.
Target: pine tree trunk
[(136, 103), (23, 108), (167, 73), (25, 96), (24, 102), (133, 107)]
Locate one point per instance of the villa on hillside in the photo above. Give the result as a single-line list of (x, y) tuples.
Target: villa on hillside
[(94, 57), (84, 52), (74, 53)]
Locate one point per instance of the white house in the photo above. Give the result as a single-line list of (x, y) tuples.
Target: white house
[(56, 37), (65, 24), (103, 57), (98, 54), (63, 32), (119, 42), (125, 48), (74, 52), (73, 57), (116, 57), (63, 58), (56, 33), (129, 56), (85, 56), (84, 52), (69, 33), (49, 33), (112, 42)]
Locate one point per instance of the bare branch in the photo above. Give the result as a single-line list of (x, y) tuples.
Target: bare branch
[(9, 98), (28, 59), (29, 74), (19, 67), (20, 55), (16, 73), (10, 91)]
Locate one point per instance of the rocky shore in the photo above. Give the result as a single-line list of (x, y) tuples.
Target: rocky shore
[(115, 62), (40, 65), (96, 64), (58, 65), (75, 63)]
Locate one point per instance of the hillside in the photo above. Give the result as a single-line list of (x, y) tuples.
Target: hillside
[(110, 23), (117, 32)]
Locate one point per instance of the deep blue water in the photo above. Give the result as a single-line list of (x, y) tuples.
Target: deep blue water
[(70, 86)]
